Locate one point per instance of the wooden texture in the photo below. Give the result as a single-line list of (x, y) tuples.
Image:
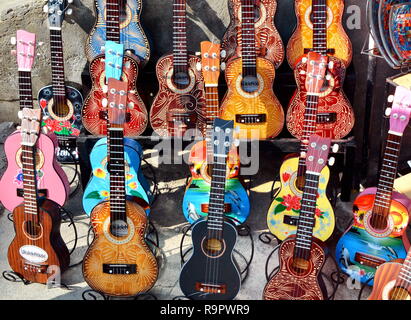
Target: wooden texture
[(104, 250), (50, 241), (268, 41), (385, 274), (262, 101), (93, 107)]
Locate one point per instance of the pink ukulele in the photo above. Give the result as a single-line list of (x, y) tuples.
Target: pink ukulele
[(52, 182)]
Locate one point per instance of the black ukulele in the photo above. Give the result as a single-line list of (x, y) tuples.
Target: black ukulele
[(211, 273)]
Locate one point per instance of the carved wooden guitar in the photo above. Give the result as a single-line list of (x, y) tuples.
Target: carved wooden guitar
[(118, 261), (52, 182), (61, 104), (284, 211), (268, 41), (210, 273), (381, 214), (195, 202), (302, 256), (118, 21), (178, 104), (319, 29), (37, 248), (250, 100), (113, 64)]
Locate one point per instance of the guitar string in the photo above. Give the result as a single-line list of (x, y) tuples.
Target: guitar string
[(397, 293)]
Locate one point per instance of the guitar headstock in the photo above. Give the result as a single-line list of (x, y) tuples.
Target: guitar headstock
[(25, 49), (317, 153), (316, 72), (30, 126), (56, 10), (401, 110), (210, 62), (114, 53), (222, 136), (117, 102)]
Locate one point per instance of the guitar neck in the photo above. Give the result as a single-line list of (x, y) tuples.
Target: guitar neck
[(57, 63), (248, 50), (117, 174), (387, 175), (306, 220), (25, 90), (212, 109), (404, 277), (309, 128), (319, 17), (29, 180), (215, 220), (180, 58), (113, 9)]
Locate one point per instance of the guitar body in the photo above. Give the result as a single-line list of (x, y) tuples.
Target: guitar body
[(52, 182), (94, 114), (131, 32), (187, 103), (197, 194), (302, 37), (196, 270), (34, 253), (98, 188), (283, 213), (68, 122), (358, 252), (128, 250), (337, 115), (286, 284), (262, 102), (268, 41)]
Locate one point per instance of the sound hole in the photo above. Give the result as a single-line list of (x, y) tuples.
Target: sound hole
[(39, 159), (181, 80), (119, 228), (378, 221), (257, 13), (249, 84), (300, 266), (399, 293), (300, 183), (213, 247), (60, 107), (32, 228)]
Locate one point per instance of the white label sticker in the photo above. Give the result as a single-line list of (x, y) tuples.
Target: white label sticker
[(33, 254)]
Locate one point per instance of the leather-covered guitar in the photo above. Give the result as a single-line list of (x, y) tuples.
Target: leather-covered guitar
[(37, 248), (302, 256), (178, 104), (282, 217), (195, 201), (211, 273), (268, 41), (52, 182), (119, 261), (381, 214), (250, 100)]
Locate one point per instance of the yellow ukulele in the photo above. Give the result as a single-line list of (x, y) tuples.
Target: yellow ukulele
[(284, 212), (319, 29), (250, 100)]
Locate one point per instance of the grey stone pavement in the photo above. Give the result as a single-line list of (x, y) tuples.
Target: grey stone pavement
[(168, 219)]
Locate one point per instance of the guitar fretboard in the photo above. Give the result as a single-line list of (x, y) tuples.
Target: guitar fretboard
[(248, 50), (388, 173), (404, 277), (180, 60), (57, 63), (117, 174), (113, 9), (211, 113), (29, 180), (306, 219), (25, 90), (319, 19)]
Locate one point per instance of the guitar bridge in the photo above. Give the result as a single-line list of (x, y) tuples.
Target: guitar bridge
[(112, 268), (186, 118), (250, 118), (324, 118), (37, 268), (368, 260), (204, 207), (211, 288), (290, 220)]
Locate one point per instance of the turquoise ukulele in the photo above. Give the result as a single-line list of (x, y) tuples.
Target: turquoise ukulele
[(98, 188)]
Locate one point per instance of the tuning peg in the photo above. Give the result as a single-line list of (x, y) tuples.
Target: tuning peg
[(305, 141), (20, 114), (303, 154), (130, 105), (388, 112), (132, 91), (104, 102), (13, 40), (390, 98), (302, 72), (46, 117), (69, 12), (304, 60), (198, 66), (223, 54), (198, 53), (328, 77), (69, 1), (46, 8), (331, 65), (236, 142), (104, 88), (335, 148), (331, 161), (13, 52), (223, 66)]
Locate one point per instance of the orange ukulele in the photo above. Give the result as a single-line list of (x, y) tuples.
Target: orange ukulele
[(319, 28), (118, 261), (392, 280), (250, 100)]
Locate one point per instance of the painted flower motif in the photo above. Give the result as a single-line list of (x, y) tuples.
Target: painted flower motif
[(66, 124), (133, 185), (99, 173), (53, 125), (286, 176), (75, 132), (318, 212), (129, 176), (291, 202), (18, 179), (105, 193)]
